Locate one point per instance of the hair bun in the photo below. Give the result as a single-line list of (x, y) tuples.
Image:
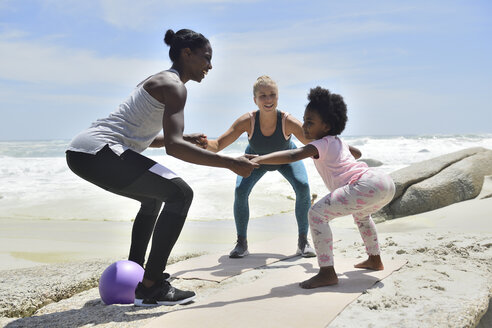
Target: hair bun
[(169, 37)]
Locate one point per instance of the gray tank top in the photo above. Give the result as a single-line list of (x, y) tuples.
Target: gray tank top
[(134, 125)]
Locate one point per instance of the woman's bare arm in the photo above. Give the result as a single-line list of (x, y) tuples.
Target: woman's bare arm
[(241, 125)]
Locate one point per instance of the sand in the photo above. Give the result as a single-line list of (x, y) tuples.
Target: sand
[(447, 281)]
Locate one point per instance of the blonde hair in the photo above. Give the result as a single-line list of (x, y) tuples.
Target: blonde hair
[(263, 80)]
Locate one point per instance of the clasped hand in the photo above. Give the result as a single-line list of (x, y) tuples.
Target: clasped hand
[(198, 139)]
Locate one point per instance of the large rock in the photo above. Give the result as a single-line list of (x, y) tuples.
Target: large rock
[(438, 182), (24, 291), (486, 188)]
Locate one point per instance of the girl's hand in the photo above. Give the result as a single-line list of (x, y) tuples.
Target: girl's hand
[(254, 158)]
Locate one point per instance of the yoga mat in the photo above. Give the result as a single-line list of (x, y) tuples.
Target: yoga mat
[(217, 267), (275, 299)]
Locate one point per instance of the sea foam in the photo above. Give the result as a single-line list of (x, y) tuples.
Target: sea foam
[(36, 183)]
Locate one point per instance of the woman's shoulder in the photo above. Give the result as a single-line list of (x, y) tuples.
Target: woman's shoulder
[(163, 79), (290, 119), (244, 121), (164, 84), (284, 114), (246, 116)]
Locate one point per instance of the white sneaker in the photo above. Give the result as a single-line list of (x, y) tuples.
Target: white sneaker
[(304, 249)]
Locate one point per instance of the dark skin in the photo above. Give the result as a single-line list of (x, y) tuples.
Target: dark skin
[(169, 89), (315, 128)]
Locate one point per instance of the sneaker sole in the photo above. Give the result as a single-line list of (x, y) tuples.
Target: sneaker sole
[(140, 302), (238, 256), (310, 254)]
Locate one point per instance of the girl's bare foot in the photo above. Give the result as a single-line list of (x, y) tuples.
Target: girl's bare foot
[(372, 263), (325, 277)]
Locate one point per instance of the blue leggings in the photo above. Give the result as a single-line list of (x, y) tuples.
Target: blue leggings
[(295, 173)]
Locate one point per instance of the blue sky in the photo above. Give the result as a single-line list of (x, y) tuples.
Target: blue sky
[(403, 67)]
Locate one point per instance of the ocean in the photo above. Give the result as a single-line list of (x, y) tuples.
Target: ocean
[(35, 182)]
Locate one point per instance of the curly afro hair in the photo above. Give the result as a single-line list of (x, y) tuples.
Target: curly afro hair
[(330, 107)]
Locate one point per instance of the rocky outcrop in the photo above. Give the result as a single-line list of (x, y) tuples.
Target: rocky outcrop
[(438, 182), (486, 188), (24, 291), (37, 286)]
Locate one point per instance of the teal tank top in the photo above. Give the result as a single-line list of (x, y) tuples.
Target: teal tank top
[(261, 145)]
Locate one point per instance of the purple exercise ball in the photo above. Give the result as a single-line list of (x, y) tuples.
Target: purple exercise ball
[(118, 282)]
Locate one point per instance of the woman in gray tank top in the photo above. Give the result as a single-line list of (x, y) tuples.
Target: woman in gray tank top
[(107, 154)]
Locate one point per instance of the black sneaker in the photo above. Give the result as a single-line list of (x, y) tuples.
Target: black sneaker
[(241, 249), (161, 294)]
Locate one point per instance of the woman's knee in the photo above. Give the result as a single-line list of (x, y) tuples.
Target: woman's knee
[(186, 191), (150, 207), (301, 189), (180, 202)]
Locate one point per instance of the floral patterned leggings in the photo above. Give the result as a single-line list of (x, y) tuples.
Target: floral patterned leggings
[(361, 198)]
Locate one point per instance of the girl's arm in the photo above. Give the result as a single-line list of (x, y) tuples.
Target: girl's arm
[(287, 156), (242, 124), (355, 152)]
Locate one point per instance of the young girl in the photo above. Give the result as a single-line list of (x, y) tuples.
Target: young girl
[(355, 188)]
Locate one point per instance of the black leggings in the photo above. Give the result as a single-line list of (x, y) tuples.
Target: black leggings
[(128, 175)]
